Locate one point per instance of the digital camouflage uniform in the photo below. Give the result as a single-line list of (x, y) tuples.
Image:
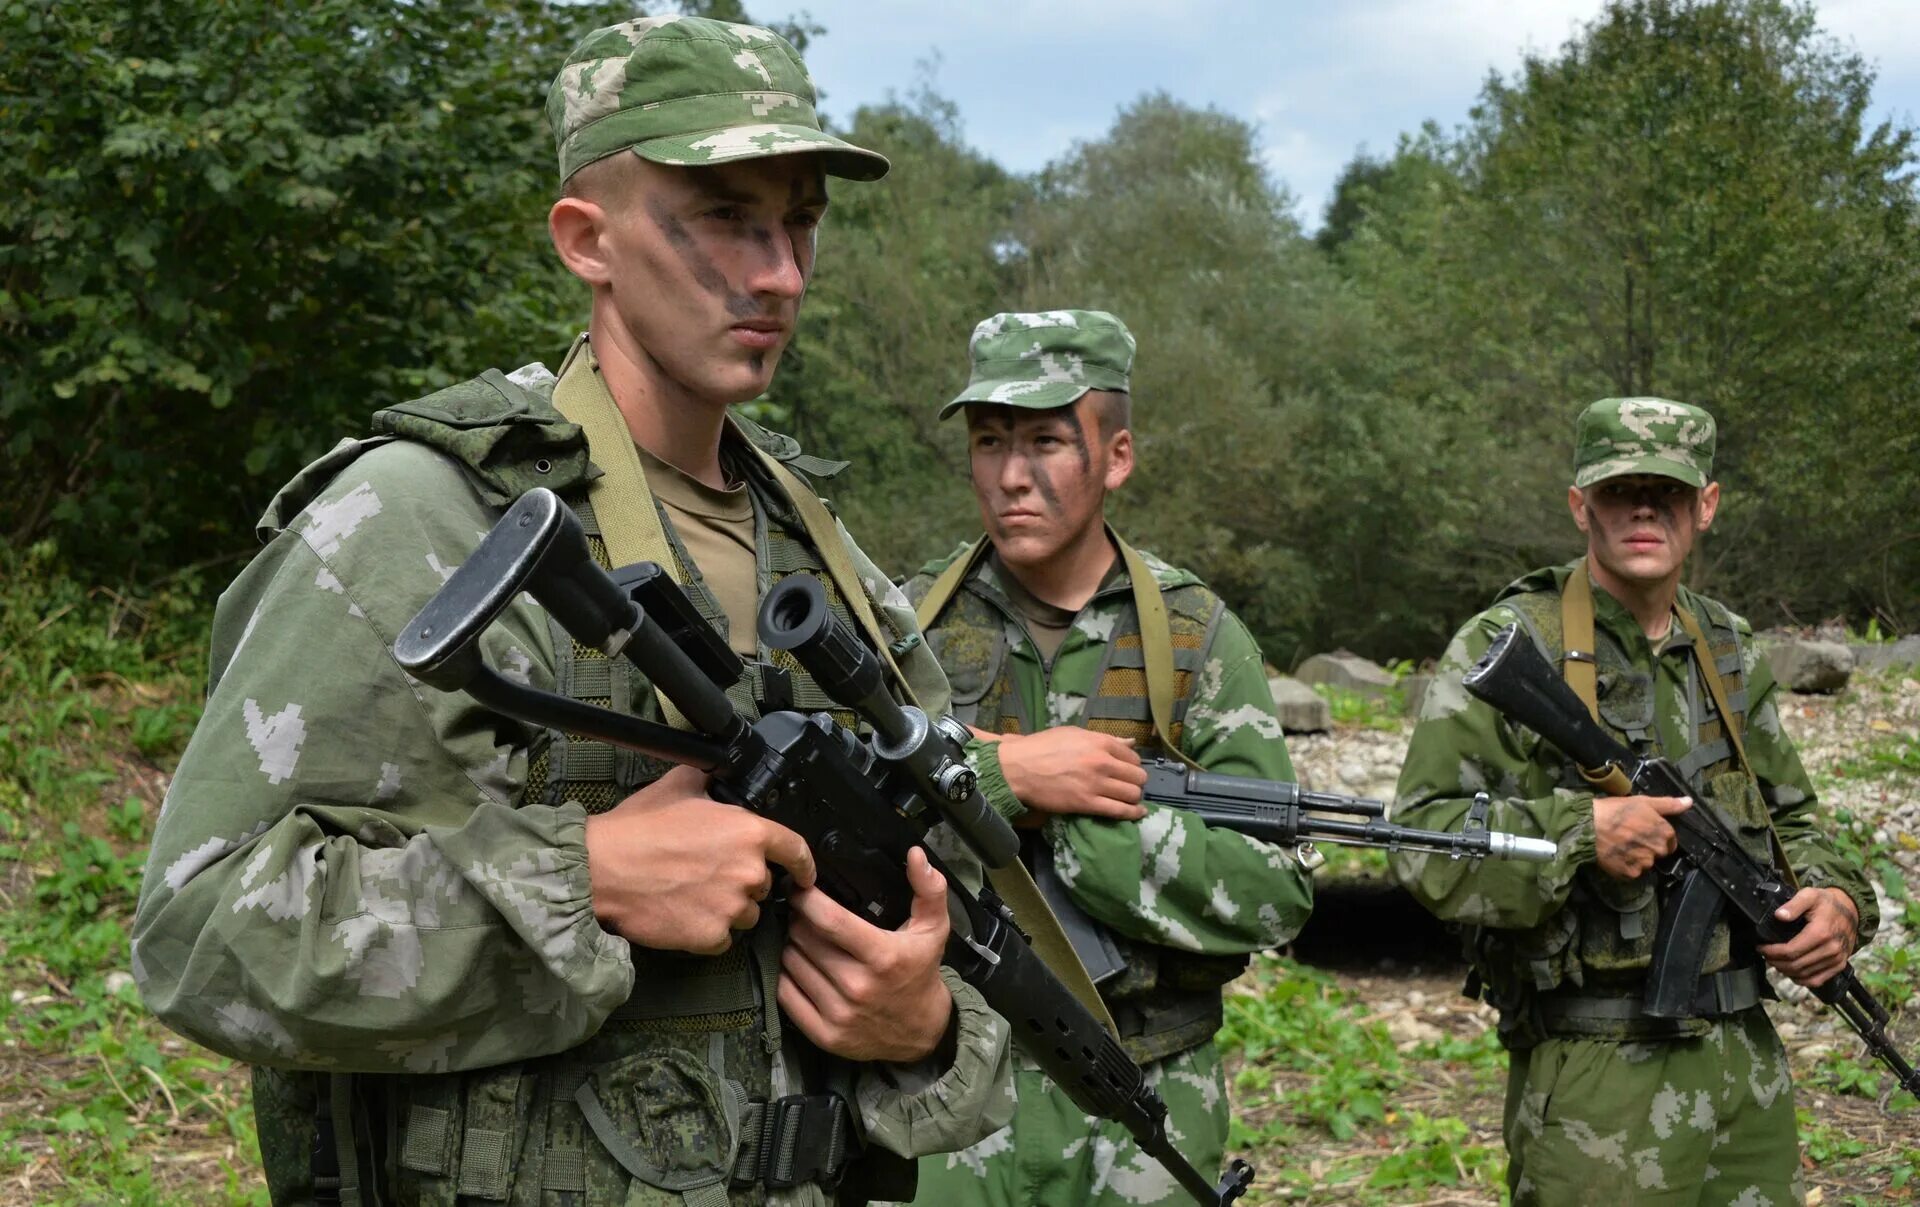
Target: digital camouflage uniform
[(1606, 1105), (1183, 903), (357, 874)]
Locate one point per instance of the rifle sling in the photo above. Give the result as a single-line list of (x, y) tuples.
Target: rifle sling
[(1703, 657)]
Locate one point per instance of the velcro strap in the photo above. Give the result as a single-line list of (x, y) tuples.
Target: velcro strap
[(485, 1161), (427, 1140), (794, 1140)]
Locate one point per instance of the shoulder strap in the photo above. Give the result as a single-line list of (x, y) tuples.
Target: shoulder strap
[(621, 499), (1576, 636), (945, 586), (1156, 645), (1703, 658), (620, 495)]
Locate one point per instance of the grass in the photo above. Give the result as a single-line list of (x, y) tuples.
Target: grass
[(98, 1103)]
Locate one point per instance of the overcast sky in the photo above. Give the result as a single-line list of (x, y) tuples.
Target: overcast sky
[(1320, 80)]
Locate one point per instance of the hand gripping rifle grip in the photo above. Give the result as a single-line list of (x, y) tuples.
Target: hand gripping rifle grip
[(537, 546)]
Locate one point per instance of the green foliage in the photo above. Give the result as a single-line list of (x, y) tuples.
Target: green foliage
[(229, 230), (97, 1089), (1686, 200), (1364, 709), (1310, 1058)]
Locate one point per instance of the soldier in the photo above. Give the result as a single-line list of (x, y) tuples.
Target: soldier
[(1604, 1103), (472, 959), (1047, 628)]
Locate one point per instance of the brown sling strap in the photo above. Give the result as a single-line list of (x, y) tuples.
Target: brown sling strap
[(1576, 637)]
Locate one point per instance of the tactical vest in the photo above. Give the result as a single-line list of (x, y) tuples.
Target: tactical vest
[(671, 1103), (1165, 1001), (1556, 978)]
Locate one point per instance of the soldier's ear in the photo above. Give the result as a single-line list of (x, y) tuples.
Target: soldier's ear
[(1577, 504), (1119, 458), (578, 227), (1709, 506)]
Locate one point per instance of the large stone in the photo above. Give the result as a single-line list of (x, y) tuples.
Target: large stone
[(1299, 707), (1903, 654), (1415, 687), (1810, 666), (1344, 670)]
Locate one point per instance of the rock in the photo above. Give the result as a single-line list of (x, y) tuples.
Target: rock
[(1811, 666), (1348, 671), (1880, 656), (1299, 707), (1415, 686), (116, 981), (1406, 1031)]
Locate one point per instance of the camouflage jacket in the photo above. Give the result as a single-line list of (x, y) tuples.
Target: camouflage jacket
[(1539, 927), (1168, 879), (346, 875)]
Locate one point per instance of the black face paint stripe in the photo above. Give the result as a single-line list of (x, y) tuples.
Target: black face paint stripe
[(705, 273), (1079, 440)]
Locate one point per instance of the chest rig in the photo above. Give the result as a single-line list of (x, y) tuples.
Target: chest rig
[(1581, 972), (1163, 1001), (673, 1102)]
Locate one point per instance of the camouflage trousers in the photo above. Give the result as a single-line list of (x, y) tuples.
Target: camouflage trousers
[(1053, 1152), (1704, 1122)]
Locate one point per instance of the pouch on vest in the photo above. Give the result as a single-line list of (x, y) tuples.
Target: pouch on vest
[(671, 1123), (972, 657), (462, 1135)]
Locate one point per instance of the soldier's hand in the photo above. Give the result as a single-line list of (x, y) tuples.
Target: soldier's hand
[(676, 870), (1073, 770), (1630, 833), (1824, 944), (865, 993)]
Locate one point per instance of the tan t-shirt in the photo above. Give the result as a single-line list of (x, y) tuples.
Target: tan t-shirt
[(716, 527)]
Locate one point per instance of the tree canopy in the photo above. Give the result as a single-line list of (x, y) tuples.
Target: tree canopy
[(230, 229)]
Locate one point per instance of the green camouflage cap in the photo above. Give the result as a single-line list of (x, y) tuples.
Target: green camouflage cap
[(1618, 436), (690, 90), (1046, 359)]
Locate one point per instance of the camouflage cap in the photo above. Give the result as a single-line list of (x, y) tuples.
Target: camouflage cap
[(690, 90), (1046, 359), (1618, 436)]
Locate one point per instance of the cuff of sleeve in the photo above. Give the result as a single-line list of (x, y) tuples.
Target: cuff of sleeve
[(912, 1110), (1576, 841), (984, 758)]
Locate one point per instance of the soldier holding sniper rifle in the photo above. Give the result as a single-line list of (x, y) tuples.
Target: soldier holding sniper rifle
[(862, 805)]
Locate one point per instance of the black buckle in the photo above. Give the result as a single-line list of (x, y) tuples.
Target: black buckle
[(802, 1138)]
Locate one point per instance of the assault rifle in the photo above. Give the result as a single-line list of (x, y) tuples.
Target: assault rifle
[(1709, 873), (861, 803), (1287, 814), (1284, 814)]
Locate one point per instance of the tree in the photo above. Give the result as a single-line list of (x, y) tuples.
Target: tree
[(229, 231), (1685, 201)]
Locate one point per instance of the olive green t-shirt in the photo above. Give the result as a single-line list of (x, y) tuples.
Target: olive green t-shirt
[(716, 527), (1046, 623)]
